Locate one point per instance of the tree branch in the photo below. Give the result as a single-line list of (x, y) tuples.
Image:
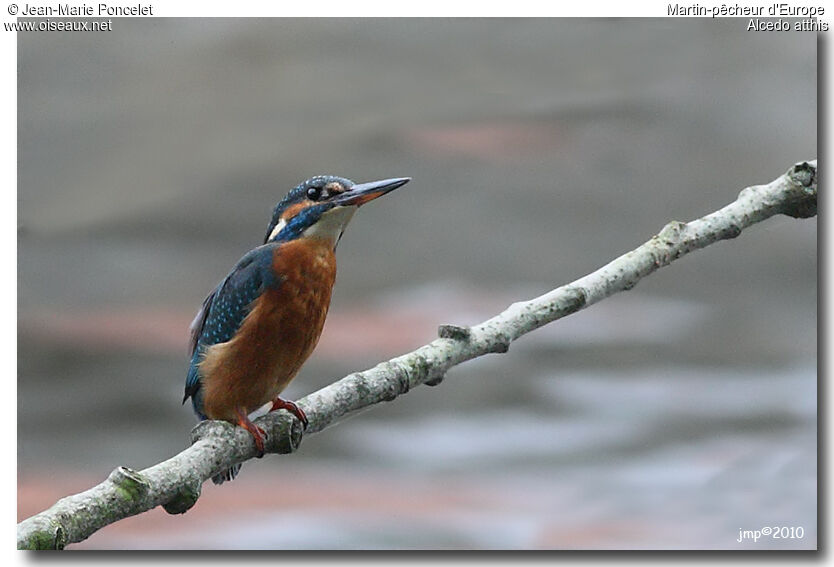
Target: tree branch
[(175, 484)]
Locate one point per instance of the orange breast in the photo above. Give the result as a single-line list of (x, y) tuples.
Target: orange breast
[(277, 336)]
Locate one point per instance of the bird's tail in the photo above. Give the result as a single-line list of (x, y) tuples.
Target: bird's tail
[(228, 474)]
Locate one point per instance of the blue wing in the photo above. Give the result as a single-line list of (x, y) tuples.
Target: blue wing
[(223, 312)]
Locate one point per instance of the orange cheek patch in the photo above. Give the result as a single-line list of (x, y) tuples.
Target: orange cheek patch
[(293, 210)]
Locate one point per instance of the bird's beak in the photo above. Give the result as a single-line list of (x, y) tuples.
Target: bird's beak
[(360, 194)]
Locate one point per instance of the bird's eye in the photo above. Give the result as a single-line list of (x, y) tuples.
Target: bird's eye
[(313, 193)]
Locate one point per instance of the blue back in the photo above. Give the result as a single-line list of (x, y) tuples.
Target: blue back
[(224, 310)]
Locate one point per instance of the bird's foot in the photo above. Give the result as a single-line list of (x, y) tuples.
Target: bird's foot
[(258, 434), (291, 407)]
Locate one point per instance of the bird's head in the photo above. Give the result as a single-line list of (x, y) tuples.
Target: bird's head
[(322, 207)]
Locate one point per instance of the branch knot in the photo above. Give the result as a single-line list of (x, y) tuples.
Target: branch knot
[(131, 483), (454, 332), (185, 498), (802, 202)]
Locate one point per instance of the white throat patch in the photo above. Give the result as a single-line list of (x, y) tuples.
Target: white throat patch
[(331, 224)]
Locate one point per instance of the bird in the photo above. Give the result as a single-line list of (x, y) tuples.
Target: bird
[(256, 329)]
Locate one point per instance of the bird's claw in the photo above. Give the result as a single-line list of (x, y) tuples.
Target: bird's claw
[(260, 441), (291, 407), (258, 434)]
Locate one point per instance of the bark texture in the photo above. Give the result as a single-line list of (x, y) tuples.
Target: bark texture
[(175, 484)]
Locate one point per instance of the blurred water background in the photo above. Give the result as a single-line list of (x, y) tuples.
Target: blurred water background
[(668, 417)]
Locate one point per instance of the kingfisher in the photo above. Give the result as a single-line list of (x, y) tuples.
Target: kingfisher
[(260, 324)]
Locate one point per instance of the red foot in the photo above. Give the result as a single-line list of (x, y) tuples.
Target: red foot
[(291, 407), (258, 434)]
